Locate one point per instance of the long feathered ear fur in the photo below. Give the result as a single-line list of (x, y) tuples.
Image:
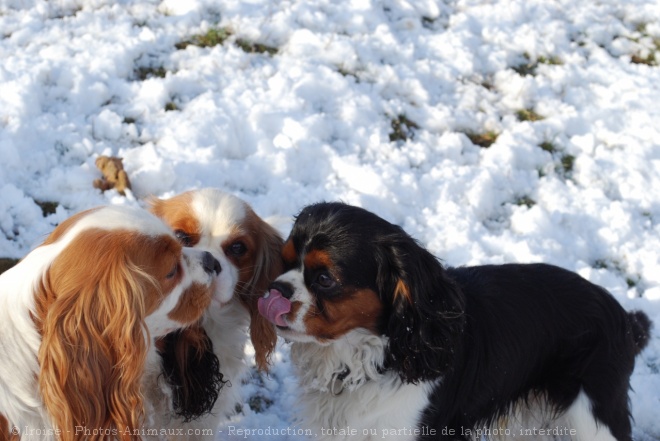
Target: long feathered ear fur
[(426, 315), (193, 370), (94, 344), (268, 266)]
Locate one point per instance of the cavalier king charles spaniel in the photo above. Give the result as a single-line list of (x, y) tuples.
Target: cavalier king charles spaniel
[(197, 380), (77, 316), (390, 344)]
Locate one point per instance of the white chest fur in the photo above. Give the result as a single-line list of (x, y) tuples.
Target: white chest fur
[(345, 397)]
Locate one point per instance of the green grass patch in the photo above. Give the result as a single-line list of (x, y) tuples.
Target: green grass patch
[(649, 59), (525, 68), (6, 263), (252, 47), (601, 264), (526, 201), (427, 22), (346, 73), (47, 207), (528, 115), (549, 146), (529, 66), (142, 73), (213, 37), (648, 55), (632, 281), (218, 36), (567, 161), (550, 61), (488, 85), (563, 162), (402, 129), (483, 140), (171, 106), (65, 14)]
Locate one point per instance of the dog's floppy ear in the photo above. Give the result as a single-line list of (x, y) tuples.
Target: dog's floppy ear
[(268, 266), (94, 344), (426, 309), (192, 369)]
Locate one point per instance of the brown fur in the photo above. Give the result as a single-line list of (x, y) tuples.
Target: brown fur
[(91, 320), (402, 290), (195, 299), (355, 308), (289, 254), (193, 336), (6, 432), (176, 213), (267, 264), (318, 259)]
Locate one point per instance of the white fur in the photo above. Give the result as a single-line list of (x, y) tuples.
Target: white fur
[(219, 214), (297, 329), (536, 421), (20, 399), (368, 404), (581, 418)]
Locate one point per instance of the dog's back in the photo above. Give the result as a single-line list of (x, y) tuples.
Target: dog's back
[(541, 336)]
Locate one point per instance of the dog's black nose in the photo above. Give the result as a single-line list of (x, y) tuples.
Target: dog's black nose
[(210, 263), (284, 288)]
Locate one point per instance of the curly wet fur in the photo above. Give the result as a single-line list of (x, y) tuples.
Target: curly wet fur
[(194, 369)]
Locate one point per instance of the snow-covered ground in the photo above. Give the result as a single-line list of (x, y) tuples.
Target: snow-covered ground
[(371, 102)]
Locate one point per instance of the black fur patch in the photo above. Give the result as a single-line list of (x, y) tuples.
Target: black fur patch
[(193, 374)]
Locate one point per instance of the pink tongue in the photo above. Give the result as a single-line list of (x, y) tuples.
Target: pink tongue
[(273, 306)]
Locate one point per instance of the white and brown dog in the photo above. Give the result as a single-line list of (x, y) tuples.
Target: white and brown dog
[(203, 365), (77, 316)]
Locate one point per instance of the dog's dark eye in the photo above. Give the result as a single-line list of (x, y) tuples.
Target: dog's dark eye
[(183, 237), (325, 281), (173, 271), (237, 249)]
